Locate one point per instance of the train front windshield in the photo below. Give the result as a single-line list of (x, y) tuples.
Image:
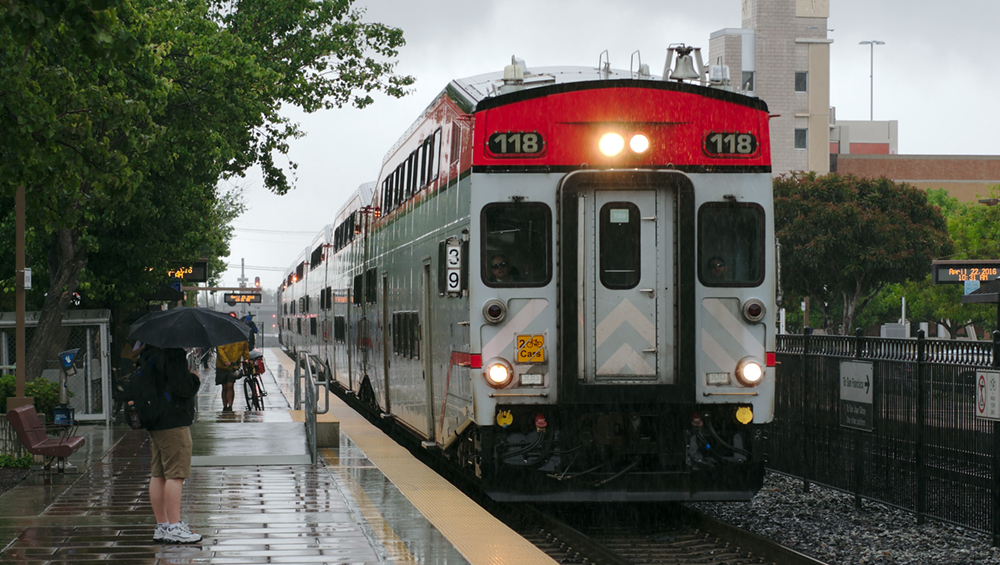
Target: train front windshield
[(731, 244), (517, 248)]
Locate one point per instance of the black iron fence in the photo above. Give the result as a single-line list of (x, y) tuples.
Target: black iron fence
[(926, 450)]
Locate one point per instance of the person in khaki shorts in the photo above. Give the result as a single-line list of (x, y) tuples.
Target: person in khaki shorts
[(170, 440)]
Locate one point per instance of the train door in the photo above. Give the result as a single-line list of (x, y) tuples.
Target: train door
[(386, 343), (425, 355), (625, 299), (626, 292)]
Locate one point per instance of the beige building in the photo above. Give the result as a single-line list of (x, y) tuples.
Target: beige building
[(782, 55)]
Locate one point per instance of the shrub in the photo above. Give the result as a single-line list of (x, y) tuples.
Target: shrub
[(22, 462), (44, 391)]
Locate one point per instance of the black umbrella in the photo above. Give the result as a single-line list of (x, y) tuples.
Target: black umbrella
[(189, 327)]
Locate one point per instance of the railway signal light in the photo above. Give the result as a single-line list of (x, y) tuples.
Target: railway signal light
[(256, 282)]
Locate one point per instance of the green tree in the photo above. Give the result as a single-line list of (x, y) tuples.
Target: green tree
[(121, 117), (843, 239), (968, 225)]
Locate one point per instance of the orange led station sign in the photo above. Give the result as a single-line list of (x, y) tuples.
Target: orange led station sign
[(233, 299), (958, 272)]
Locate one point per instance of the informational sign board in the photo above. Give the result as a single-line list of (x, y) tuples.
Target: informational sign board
[(196, 271), (233, 299), (971, 286), (856, 404), (958, 272), (988, 395)]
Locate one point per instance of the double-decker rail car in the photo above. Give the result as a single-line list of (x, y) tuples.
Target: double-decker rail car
[(563, 281)]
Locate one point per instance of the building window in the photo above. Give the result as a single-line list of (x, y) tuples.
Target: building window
[(801, 82), (801, 137), (748, 81)]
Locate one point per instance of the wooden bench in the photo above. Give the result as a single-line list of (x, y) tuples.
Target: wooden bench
[(32, 434)]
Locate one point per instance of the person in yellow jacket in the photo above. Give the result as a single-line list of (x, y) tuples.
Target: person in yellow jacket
[(228, 358)]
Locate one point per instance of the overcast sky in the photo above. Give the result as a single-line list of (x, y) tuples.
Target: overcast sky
[(936, 74)]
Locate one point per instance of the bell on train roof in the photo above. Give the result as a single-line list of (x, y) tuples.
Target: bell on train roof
[(687, 67)]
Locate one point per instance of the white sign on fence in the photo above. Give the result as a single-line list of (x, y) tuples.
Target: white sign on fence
[(988, 395), (856, 405)]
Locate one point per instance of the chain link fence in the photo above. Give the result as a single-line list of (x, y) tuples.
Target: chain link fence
[(88, 380)]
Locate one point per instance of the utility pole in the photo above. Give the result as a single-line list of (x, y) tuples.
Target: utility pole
[(243, 283), (20, 358)]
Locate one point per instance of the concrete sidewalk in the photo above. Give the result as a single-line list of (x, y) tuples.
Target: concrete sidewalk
[(252, 495)]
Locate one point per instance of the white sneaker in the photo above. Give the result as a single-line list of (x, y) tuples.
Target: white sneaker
[(180, 533), (160, 534)]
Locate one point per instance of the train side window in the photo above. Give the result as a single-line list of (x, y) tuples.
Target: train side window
[(358, 290), (517, 244), (620, 252), (731, 244), (371, 286), (435, 160), (406, 334), (339, 329), (316, 258)]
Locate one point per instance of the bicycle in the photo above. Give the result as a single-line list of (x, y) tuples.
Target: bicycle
[(253, 385)]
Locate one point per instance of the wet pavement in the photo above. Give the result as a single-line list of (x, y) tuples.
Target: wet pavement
[(252, 494)]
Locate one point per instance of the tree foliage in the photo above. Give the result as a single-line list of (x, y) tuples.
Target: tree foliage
[(843, 239), (120, 118)]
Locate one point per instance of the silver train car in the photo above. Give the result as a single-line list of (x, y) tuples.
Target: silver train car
[(563, 281)]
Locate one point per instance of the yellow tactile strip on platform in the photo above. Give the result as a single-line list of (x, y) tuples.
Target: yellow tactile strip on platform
[(474, 532), (300, 416)]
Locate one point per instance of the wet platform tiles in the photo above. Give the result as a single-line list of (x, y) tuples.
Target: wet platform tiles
[(343, 510)]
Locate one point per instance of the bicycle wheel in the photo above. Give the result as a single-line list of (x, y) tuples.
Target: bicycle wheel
[(248, 392), (258, 389)]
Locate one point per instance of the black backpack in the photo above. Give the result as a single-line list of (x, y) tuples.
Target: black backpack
[(145, 404)]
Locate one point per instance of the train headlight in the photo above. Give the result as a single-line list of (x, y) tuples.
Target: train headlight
[(639, 143), (753, 310), (611, 144), (494, 311), (498, 372), (749, 371)]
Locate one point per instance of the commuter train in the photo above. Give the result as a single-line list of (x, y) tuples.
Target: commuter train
[(563, 280)]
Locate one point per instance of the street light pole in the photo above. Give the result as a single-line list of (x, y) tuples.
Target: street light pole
[(871, 96)]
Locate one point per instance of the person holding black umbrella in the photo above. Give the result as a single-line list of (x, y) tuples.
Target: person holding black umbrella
[(166, 334), (170, 439)]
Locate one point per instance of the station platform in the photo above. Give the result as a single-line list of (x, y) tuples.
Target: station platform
[(255, 497)]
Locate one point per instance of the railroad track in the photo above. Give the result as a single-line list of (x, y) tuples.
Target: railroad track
[(610, 534), (646, 536)]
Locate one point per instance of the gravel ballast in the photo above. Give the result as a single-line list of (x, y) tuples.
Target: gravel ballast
[(825, 524)]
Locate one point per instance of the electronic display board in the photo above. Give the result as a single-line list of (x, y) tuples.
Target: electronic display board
[(958, 272), (233, 299), (196, 272)]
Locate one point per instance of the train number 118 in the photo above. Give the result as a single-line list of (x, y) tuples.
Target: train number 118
[(731, 143), (520, 143)]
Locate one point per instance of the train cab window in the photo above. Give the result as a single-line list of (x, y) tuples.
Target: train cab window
[(731, 244), (619, 245), (517, 250)]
